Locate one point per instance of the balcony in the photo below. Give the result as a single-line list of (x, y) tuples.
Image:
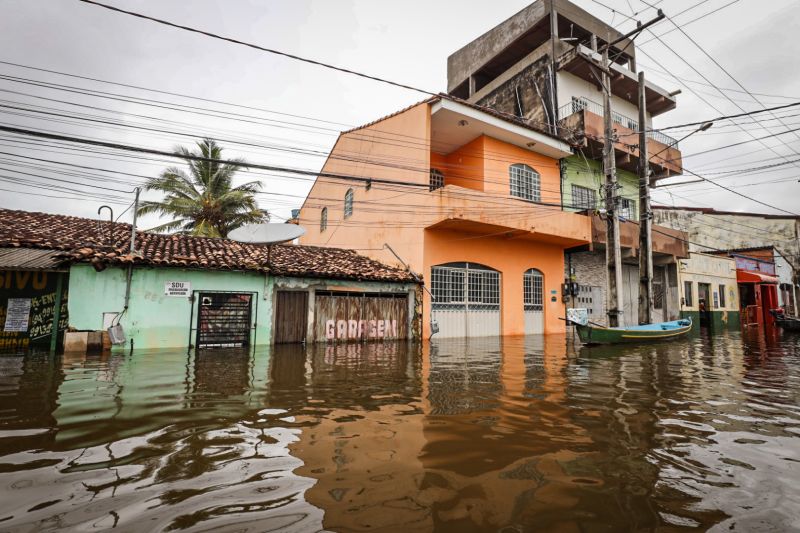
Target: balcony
[(668, 244), (582, 120)]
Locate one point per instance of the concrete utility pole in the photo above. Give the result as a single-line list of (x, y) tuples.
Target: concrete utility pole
[(645, 216), (614, 301), (135, 216)]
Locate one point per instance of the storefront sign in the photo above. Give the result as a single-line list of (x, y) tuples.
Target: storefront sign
[(180, 289), (17, 314)]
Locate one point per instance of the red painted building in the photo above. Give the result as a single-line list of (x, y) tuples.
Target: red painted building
[(758, 289)]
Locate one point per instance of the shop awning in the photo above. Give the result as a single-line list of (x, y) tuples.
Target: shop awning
[(743, 276)]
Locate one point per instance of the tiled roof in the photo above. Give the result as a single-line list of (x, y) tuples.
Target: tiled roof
[(102, 243)]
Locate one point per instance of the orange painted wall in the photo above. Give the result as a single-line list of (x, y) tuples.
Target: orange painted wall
[(499, 156), (381, 214), (465, 166), (512, 258)]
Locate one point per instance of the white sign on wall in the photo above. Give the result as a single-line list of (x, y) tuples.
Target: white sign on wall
[(177, 288), (17, 314)]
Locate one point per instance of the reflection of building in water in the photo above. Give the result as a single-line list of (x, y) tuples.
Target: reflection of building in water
[(223, 372), (454, 451), (362, 433), (28, 397)]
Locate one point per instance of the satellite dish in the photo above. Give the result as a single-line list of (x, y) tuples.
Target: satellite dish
[(267, 233)]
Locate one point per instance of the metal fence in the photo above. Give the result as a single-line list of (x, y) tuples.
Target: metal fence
[(579, 104)]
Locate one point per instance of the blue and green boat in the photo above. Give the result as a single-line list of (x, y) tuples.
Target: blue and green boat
[(591, 333)]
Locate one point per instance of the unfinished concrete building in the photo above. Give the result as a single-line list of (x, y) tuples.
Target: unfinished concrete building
[(536, 65)]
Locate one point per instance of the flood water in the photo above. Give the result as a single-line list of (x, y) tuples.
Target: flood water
[(503, 434)]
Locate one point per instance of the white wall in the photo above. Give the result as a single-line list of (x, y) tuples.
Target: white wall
[(570, 85)]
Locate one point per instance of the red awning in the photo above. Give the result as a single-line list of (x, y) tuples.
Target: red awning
[(743, 276)]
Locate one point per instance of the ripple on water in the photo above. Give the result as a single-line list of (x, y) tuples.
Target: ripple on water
[(486, 434)]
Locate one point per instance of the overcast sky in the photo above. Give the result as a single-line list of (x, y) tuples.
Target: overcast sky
[(405, 41)]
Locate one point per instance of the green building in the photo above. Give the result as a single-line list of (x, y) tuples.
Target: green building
[(180, 291)]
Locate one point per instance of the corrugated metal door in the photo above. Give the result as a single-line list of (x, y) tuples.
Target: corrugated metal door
[(224, 320), (533, 301), (466, 300), (291, 316), (360, 316)]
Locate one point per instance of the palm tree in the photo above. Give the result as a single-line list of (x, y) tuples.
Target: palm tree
[(203, 202)]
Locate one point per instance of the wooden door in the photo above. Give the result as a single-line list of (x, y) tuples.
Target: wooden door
[(291, 316)]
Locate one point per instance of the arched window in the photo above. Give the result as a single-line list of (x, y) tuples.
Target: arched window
[(323, 219), (533, 290), (525, 182), (437, 179), (465, 284), (348, 203)]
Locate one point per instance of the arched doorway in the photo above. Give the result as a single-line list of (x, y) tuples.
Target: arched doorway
[(466, 300), (533, 301)]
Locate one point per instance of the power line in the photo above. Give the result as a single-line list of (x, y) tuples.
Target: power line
[(258, 47)]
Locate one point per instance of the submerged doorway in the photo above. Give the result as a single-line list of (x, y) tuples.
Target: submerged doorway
[(533, 301), (291, 317), (224, 320)]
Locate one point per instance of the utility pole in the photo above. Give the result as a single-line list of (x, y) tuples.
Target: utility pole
[(614, 301), (133, 226), (645, 216)]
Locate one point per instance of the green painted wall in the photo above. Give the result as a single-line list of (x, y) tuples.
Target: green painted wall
[(589, 173), (155, 320), (720, 320)]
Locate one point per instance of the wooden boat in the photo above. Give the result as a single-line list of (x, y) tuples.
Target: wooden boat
[(787, 323), (591, 333)]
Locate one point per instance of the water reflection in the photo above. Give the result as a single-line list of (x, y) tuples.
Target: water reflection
[(480, 435)]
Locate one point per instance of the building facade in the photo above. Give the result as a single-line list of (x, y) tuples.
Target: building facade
[(179, 291), (709, 291), (474, 209), (536, 66)]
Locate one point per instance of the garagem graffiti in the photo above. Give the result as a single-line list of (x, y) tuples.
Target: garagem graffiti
[(360, 329)]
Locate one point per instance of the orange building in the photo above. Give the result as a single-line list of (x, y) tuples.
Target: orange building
[(469, 199)]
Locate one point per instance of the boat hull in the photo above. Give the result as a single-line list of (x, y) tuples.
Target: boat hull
[(657, 332), (789, 324)]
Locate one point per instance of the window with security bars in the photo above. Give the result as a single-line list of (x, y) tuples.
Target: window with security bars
[(722, 295), (459, 287), (583, 198), (533, 290), (323, 219), (525, 182), (437, 179), (348, 203), (628, 209)]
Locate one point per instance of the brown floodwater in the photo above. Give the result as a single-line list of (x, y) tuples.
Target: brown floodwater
[(506, 434)]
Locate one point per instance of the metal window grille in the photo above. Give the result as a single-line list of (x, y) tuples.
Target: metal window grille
[(323, 219), (437, 179), (579, 104), (628, 209), (348, 203), (722, 295), (687, 293), (583, 198), (458, 288), (533, 290), (525, 182)]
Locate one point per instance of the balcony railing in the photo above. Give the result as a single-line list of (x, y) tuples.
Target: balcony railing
[(579, 104)]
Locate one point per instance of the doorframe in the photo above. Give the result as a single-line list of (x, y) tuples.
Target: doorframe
[(194, 330), (309, 312)]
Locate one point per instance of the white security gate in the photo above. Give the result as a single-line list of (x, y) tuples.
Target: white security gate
[(466, 300), (533, 300)]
